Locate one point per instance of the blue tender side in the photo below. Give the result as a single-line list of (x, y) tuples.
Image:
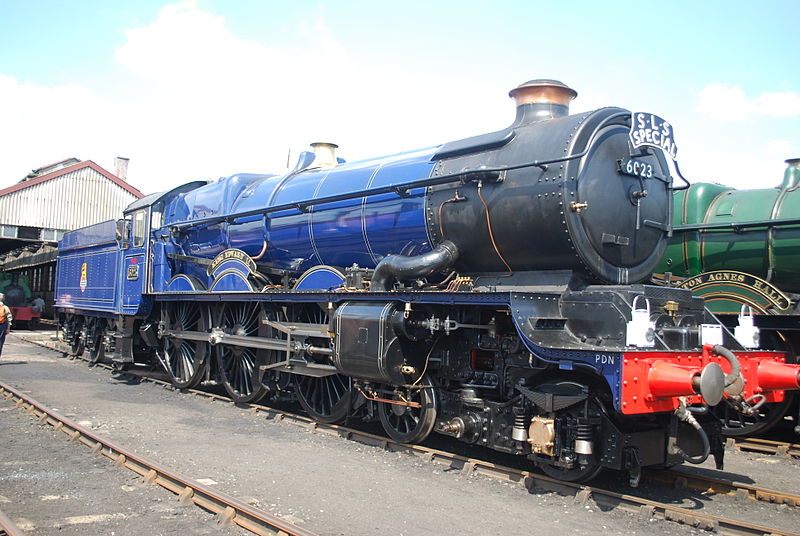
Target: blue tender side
[(87, 269)]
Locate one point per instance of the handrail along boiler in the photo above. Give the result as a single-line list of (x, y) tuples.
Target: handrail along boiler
[(485, 289)]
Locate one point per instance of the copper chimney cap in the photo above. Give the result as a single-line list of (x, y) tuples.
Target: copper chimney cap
[(543, 90)]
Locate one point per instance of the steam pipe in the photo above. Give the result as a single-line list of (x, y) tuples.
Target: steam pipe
[(395, 267)]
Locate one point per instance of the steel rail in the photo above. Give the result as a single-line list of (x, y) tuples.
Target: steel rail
[(228, 509), (7, 527), (533, 481), (765, 446), (674, 478), (718, 486)]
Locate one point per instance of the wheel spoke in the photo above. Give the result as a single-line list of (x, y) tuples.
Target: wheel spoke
[(406, 423), (184, 358), (237, 366), (325, 399), (186, 362)]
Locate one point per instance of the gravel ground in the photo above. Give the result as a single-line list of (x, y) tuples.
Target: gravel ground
[(49, 487), (327, 484)]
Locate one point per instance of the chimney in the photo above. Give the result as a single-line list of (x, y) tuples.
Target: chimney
[(541, 99), (791, 177), (121, 167), (324, 155)]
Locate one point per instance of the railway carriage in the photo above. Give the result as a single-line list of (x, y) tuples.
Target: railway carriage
[(487, 289)]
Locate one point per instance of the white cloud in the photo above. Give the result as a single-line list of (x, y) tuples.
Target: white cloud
[(197, 101), (722, 101), (42, 125), (186, 46), (781, 104), (217, 104), (210, 101), (221, 104), (778, 149), (740, 163)]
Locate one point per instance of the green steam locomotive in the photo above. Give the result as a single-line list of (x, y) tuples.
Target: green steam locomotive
[(740, 250)]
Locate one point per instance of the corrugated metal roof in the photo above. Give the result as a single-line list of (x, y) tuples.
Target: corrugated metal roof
[(75, 197), (49, 168), (69, 169)]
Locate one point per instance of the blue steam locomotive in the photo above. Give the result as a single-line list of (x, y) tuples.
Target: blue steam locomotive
[(484, 289)]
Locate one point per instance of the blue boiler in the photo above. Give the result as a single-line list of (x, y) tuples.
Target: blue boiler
[(361, 230)]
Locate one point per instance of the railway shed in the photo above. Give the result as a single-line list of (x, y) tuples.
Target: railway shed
[(37, 210)]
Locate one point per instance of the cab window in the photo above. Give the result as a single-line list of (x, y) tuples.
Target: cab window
[(155, 217), (139, 228)]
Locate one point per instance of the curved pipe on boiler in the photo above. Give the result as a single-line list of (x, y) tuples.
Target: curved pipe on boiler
[(395, 267)]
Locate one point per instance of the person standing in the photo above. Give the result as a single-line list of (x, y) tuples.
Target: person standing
[(5, 321), (37, 305)]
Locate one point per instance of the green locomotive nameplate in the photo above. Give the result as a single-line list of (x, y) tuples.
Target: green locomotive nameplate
[(736, 288)]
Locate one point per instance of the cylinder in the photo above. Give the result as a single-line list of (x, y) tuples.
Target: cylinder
[(371, 342)]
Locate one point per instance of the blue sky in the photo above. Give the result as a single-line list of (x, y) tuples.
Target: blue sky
[(201, 89)]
